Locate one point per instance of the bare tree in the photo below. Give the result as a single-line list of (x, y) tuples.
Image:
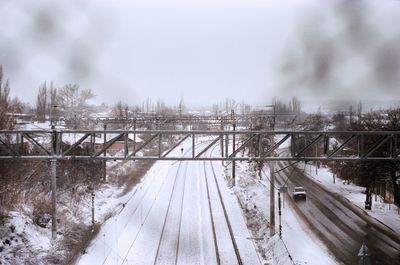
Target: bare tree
[(296, 105), (41, 102), (53, 104), (314, 122), (339, 121), (74, 103), (369, 173), (120, 110), (7, 107)]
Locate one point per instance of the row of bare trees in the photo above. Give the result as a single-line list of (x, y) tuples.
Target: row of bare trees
[(19, 178), (70, 102), (366, 174), (383, 120), (8, 106), (43, 104)]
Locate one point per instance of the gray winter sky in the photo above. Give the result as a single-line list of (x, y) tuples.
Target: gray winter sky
[(205, 50)]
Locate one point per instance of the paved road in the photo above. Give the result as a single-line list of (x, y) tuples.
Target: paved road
[(342, 226)]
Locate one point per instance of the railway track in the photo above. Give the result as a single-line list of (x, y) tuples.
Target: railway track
[(225, 214), (177, 217), (159, 258), (178, 196), (146, 184), (145, 218), (169, 243), (122, 260), (211, 215)]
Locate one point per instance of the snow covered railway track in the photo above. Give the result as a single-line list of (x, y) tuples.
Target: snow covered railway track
[(197, 229), (220, 244), (182, 219), (211, 216), (143, 190), (168, 245)]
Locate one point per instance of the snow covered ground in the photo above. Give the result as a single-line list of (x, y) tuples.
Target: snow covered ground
[(23, 240), (18, 231)]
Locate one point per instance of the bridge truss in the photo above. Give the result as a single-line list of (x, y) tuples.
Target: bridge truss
[(58, 145), (302, 145)]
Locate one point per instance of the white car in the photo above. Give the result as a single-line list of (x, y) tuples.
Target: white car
[(299, 193)]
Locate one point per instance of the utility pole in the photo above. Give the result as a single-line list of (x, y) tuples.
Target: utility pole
[(274, 118), (93, 222), (351, 114), (221, 143), (104, 144), (272, 181), (316, 162), (226, 144), (280, 215), (53, 163), (272, 200), (134, 135), (193, 144), (159, 145), (233, 149), (105, 136)]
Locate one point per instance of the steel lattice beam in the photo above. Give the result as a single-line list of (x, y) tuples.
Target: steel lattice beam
[(380, 145)]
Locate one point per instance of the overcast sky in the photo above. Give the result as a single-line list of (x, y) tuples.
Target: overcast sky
[(205, 51)]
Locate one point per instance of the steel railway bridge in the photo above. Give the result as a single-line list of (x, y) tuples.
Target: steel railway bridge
[(49, 145), (303, 146)]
